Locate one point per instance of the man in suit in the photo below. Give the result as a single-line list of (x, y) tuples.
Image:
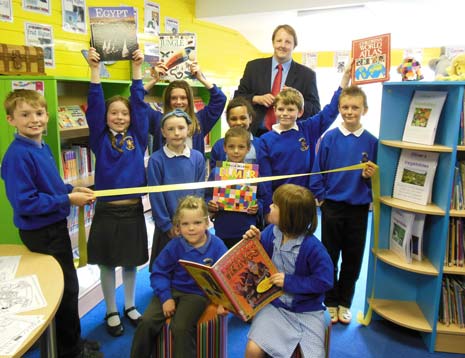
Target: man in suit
[(259, 75)]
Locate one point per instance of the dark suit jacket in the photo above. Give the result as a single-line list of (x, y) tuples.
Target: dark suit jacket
[(257, 81)]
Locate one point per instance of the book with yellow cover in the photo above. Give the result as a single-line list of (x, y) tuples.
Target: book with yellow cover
[(239, 280)]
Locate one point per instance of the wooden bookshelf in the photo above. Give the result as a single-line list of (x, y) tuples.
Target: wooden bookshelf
[(450, 338), (424, 267), (415, 146), (430, 209), (404, 313)]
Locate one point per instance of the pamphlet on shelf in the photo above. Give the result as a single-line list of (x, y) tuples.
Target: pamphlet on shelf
[(423, 117), (417, 237), (239, 280), (372, 59), (401, 232), (71, 116), (113, 32), (415, 175)]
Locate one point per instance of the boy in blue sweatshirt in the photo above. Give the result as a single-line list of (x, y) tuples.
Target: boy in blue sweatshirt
[(345, 197), (231, 225), (41, 202), (176, 294), (289, 148)]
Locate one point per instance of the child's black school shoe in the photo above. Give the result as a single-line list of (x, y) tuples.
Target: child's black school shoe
[(85, 353), (90, 345), (133, 321), (114, 331)]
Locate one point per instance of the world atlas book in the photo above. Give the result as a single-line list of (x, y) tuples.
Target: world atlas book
[(239, 280), (235, 197), (415, 176), (372, 59), (113, 32), (177, 52), (423, 116)]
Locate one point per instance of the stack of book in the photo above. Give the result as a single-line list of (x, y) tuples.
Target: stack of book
[(78, 162)]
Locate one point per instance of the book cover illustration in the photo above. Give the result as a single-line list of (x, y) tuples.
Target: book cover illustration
[(239, 279), (423, 116), (401, 233), (113, 32), (372, 59), (415, 176), (177, 52), (235, 197), (71, 116), (151, 58)]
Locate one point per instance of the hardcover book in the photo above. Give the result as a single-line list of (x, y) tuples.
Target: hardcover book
[(239, 280), (177, 52), (401, 233), (372, 59), (415, 176), (423, 116), (113, 32), (71, 116), (235, 197)]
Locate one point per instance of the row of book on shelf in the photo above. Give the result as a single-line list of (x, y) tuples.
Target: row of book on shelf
[(455, 243), (73, 217), (78, 162), (452, 306)]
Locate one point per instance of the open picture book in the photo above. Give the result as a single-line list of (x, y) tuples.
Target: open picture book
[(239, 280)]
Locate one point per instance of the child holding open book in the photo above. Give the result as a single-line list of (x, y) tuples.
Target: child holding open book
[(176, 294), (305, 273), (345, 197)]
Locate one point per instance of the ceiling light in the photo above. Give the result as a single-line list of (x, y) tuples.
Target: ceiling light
[(319, 10)]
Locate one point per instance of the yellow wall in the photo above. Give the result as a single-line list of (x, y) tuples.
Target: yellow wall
[(222, 53)]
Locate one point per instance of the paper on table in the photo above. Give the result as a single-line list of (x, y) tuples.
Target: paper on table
[(8, 267), (14, 330), (21, 294)]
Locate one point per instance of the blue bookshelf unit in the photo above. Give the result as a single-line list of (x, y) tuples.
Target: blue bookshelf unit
[(409, 294)]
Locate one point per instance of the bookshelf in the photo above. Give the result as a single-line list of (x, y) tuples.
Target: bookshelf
[(409, 294)]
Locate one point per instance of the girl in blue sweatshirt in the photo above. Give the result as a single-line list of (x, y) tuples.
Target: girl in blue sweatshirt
[(305, 274), (118, 235), (179, 95), (176, 294)]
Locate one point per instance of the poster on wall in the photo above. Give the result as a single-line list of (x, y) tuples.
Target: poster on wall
[(341, 59), (171, 25), (6, 11), (29, 85), (151, 18), (74, 16), (310, 59), (41, 6), (42, 36)]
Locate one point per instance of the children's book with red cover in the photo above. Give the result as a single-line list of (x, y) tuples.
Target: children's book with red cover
[(239, 280), (372, 59), (235, 197)]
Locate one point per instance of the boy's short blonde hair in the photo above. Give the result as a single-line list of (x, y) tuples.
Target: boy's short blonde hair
[(237, 132), (354, 91), (290, 96), (33, 98), (190, 202)]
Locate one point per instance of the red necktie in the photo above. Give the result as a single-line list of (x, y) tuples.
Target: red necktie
[(270, 118)]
